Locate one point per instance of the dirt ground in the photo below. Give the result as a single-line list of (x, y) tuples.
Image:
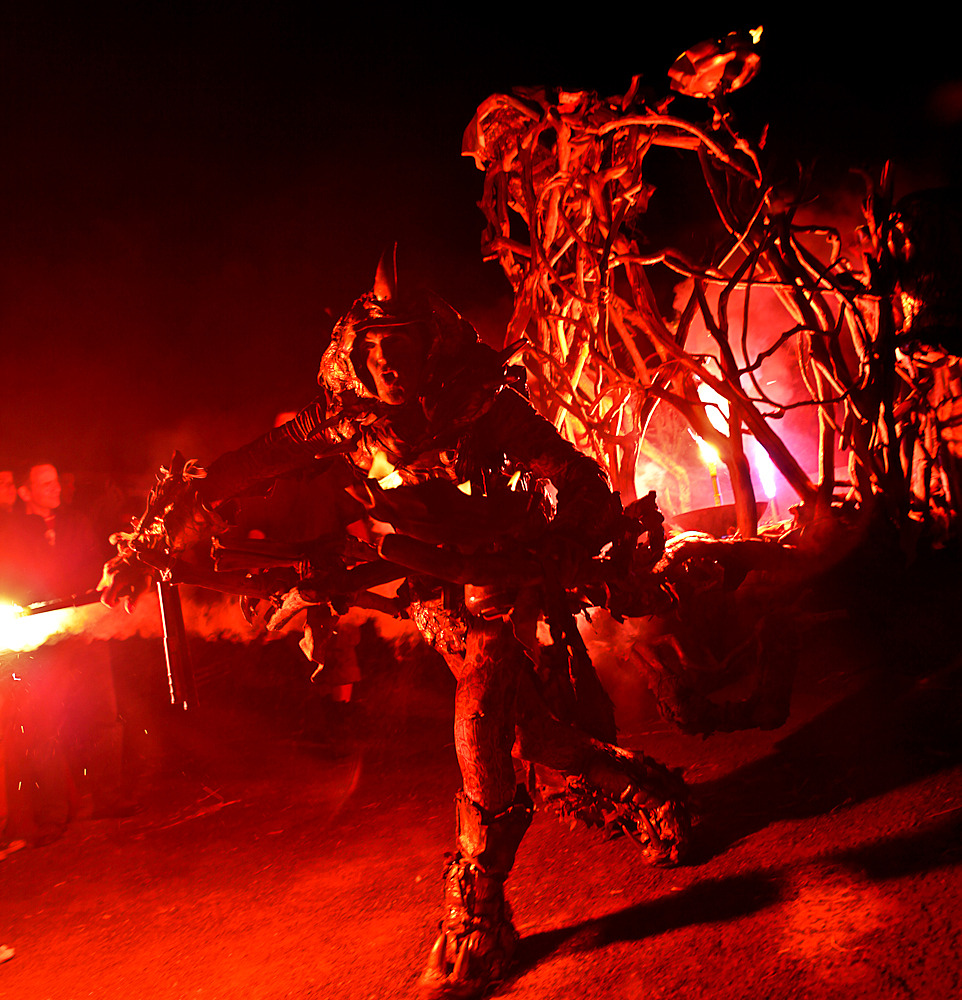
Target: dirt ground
[(265, 864)]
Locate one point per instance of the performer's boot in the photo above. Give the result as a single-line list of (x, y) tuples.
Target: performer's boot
[(627, 792), (477, 939)]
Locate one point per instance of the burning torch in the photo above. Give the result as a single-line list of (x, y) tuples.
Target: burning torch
[(716, 410), (710, 457), (180, 674)]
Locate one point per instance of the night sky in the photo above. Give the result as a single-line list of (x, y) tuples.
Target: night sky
[(190, 195)]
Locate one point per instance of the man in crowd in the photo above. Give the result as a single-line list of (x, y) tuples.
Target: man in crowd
[(65, 561), (12, 564), (62, 732), (8, 491), (8, 570)]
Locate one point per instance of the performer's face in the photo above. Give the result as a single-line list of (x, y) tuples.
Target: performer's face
[(394, 360)]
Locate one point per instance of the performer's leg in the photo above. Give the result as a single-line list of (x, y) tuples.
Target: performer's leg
[(601, 784), (606, 785), (484, 714), (477, 939)]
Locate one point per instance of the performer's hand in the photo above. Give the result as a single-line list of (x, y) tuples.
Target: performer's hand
[(123, 580), (294, 602)]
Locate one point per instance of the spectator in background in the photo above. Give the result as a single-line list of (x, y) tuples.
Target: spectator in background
[(62, 732), (65, 563), (8, 497), (10, 564), (8, 491)]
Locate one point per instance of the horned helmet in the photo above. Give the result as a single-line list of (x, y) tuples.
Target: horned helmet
[(438, 338)]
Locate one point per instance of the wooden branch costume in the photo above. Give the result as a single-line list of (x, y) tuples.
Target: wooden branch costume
[(456, 461)]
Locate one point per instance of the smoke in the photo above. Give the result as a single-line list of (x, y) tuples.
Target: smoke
[(610, 646), (673, 497), (206, 614)]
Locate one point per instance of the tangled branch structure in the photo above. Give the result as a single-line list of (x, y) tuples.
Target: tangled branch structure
[(567, 191)]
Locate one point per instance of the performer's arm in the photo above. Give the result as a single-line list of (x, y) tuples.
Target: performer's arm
[(586, 504), (284, 449)]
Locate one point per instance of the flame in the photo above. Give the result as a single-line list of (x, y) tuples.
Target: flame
[(716, 408), (710, 457), (708, 454), (765, 469), (20, 633)]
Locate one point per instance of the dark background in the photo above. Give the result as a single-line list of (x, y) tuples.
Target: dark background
[(190, 195)]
